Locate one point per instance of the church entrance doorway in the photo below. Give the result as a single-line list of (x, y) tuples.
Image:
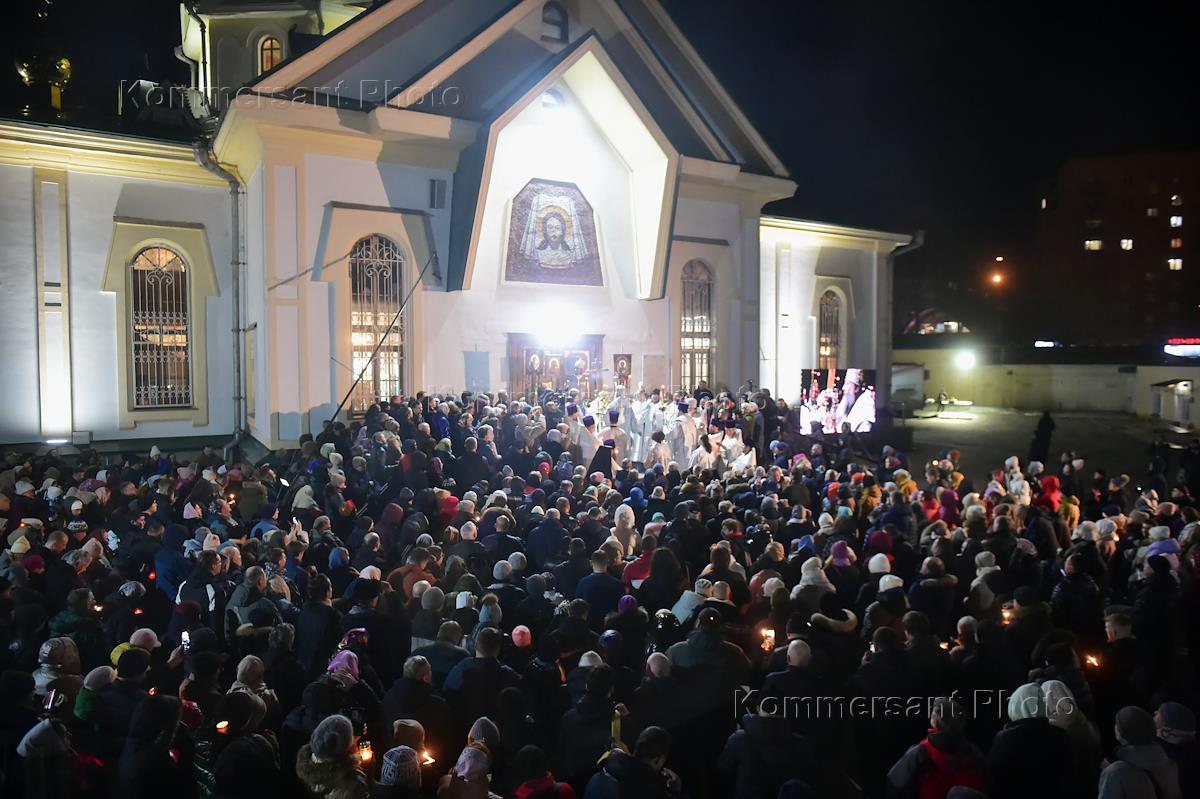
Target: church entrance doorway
[(536, 368)]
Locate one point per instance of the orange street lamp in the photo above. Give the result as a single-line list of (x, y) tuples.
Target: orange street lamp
[(997, 278)]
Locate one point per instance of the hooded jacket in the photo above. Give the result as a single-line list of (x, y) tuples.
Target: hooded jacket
[(1137, 771)]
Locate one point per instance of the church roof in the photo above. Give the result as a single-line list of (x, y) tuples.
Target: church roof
[(414, 53)]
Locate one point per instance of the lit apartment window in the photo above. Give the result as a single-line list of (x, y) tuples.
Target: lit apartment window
[(1126, 244), (1176, 200), (1177, 221), (1176, 244), (1175, 264), (1092, 244), (1151, 212)]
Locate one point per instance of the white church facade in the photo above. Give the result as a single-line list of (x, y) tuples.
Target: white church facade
[(538, 194)]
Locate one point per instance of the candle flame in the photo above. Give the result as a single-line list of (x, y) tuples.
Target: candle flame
[(222, 727)]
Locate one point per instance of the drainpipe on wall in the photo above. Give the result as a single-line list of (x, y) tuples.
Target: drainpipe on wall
[(193, 66), (190, 6), (206, 159)]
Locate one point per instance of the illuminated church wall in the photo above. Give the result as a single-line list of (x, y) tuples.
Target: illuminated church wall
[(560, 144)]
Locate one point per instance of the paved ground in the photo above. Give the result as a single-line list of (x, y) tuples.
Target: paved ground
[(986, 436)]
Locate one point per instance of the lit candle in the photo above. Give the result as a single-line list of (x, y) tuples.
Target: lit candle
[(222, 727), (1005, 615), (768, 642), (945, 645), (1093, 661), (426, 758), (364, 751), (98, 608)]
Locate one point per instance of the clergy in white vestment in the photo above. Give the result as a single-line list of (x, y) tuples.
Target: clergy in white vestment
[(589, 442), (732, 447), (617, 435), (649, 420), (681, 434)]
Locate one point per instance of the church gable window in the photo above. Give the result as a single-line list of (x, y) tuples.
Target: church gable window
[(270, 53)]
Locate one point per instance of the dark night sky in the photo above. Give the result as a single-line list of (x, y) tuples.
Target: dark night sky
[(897, 114)]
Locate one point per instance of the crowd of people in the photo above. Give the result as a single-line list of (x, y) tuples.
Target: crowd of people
[(469, 596)]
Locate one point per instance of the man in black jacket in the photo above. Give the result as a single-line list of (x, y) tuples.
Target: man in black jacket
[(414, 697), (318, 629)]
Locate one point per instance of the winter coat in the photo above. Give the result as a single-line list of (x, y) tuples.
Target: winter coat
[(585, 735), (1140, 772), (443, 656), (473, 685), (318, 631), (1078, 606), (330, 780), (939, 751), (625, 777), (1027, 759), (413, 699), (762, 755)]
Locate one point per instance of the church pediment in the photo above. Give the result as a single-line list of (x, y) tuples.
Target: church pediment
[(466, 58), (541, 140)]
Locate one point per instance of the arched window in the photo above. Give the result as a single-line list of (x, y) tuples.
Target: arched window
[(829, 331), (160, 321), (554, 23), (376, 290), (270, 53), (696, 325)]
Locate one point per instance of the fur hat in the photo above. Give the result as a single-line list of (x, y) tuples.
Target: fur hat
[(502, 570), (332, 738)]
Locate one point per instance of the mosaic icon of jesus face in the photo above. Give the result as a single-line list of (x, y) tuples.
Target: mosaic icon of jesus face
[(553, 228), (552, 236)]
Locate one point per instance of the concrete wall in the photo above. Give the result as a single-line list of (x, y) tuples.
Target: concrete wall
[(1114, 388)]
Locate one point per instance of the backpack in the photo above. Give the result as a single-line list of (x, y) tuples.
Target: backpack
[(945, 771)]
